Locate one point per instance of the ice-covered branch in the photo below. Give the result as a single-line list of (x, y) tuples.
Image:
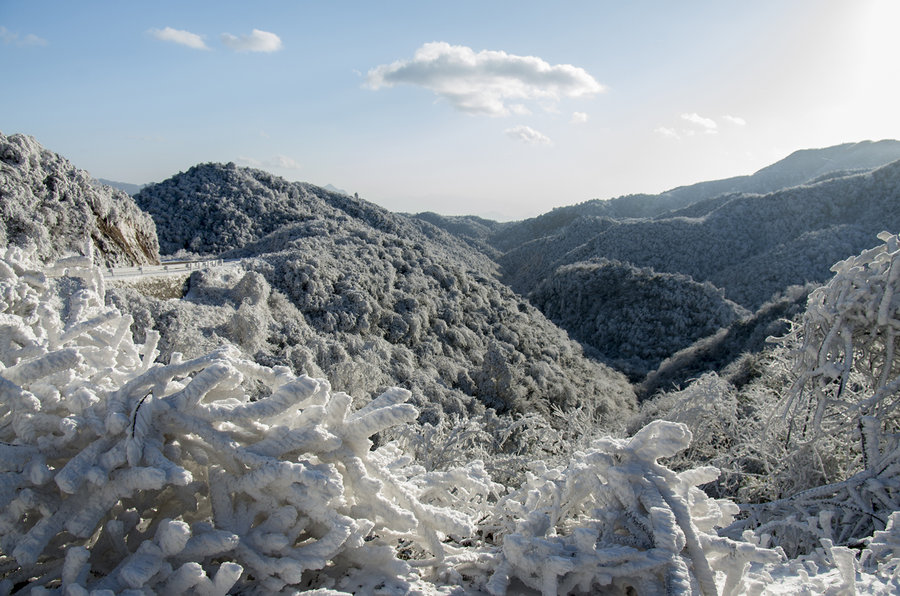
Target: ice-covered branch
[(198, 475)]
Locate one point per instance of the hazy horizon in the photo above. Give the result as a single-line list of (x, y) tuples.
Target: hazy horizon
[(504, 110)]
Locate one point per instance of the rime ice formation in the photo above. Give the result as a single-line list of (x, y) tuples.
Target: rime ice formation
[(46, 201), (367, 298), (846, 384), (810, 444), (120, 472), (212, 475)]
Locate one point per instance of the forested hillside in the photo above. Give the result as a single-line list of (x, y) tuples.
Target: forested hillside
[(59, 210), (332, 285), (638, 315)]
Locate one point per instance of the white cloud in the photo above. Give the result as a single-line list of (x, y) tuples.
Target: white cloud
[(667, 132), (528, 135), (257, 41), (737, 120), (694, 118), (483, 82), (179, 36), (579, 118), (11, 38)]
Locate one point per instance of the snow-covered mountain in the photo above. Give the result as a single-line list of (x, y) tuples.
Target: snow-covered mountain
[(806, 166), (47, 202), (632, 318), (176, 445), (337, 286)]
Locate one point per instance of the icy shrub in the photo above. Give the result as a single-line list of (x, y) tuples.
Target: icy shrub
[(217, 474), (834, 431), (119, 472), (614, 519)]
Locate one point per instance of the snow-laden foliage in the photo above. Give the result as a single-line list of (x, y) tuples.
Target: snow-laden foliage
[(47, 203), (615, 519), (120, 472), (812, 441), (633, 318), (368, 299), (834, 432), (124, 474)]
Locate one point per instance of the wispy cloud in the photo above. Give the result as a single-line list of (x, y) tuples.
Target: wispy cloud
[(12, 38), (257, 41), (280, 162), (736, 120), (484, 82), (579, 118), (707, 123), (526, 134), (179, 36), (667, 132)]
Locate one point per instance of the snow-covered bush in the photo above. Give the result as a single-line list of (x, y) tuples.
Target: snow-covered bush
[(119, 472), (615, 519), (834, 432)]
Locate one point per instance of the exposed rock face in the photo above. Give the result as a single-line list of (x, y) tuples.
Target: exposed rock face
[(48, 203)]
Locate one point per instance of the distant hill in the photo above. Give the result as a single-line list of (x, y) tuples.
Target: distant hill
[(333, 188), (632, 318), (337, 286), (751, 236), (50, 204), (800, 167), (131, 189), (750, 245)]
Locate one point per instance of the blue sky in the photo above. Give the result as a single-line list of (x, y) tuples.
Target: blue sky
[(503, 109)]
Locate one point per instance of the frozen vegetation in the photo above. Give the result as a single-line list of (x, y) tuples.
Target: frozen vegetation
[(638, 315), (754, 247), (368, 299), (125, 473), (361, 406), (48, 203)]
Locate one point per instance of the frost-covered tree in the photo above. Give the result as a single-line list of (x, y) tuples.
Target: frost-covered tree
[(812, 441), (47, 203)]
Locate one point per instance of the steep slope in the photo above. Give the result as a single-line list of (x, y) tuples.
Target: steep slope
[(733, 351), (334, 285), (60, 210), (632, 318)]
